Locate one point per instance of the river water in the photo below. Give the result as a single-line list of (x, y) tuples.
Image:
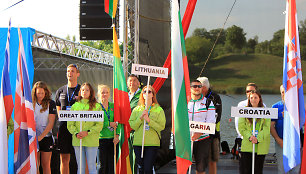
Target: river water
[(227, 128)]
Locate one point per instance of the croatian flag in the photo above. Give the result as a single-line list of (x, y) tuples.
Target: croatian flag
[(25, 142), (6, 105), (294, 113)]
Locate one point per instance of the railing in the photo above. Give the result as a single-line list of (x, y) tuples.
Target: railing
[(65, 47)]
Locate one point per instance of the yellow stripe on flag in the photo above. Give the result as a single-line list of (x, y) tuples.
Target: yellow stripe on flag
[(116, 50)]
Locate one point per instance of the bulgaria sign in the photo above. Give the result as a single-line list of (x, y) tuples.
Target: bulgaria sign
[(64, 115), (201, 127), (250, 112), (152, 71)]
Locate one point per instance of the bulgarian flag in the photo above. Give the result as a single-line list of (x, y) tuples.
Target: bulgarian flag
[(110, 7), (179, 84), (122, 110)]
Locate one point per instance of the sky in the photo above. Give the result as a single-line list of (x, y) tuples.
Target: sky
[(256, 17), (61, 17)]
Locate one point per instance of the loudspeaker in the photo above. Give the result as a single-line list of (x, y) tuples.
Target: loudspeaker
[(95, 24)]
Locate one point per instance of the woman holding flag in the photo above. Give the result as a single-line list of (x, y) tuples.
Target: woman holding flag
[(90, 129), (261, 138), (155, 122), (107, 135), (44, 115)]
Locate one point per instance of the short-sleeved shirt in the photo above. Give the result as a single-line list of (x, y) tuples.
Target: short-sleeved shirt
[(63, 100), (42, 118), (279, 121)]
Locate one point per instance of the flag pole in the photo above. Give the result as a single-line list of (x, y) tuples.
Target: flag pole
[(115, 151), (144, 121), (191, 153), (253, 154), (80, 149)]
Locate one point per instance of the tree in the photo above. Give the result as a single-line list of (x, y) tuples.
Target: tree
[(302, 37), (235, 37), (197, 48), (277, 43), (104, 45), (201, 32), (251, 44), (214, 34)]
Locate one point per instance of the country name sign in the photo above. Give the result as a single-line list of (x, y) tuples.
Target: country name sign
[(80, 115), (152, 71), (201, 127), (250, 112)]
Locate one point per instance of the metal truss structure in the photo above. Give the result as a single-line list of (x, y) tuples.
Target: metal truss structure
[(130, 33), (65, 48)]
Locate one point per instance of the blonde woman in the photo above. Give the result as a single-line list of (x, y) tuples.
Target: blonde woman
[(107, 138)]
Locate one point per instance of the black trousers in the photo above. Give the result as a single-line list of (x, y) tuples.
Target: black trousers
[(106, 156), (245, 163), (145, 164)]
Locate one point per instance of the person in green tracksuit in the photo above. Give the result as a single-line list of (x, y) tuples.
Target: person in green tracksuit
[(90, 129), (154, 117), (107, 136), (134, 90), (261, 138)]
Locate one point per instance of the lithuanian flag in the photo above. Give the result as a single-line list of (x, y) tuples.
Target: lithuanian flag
[(110, 7), (122, 110), (179, 84)]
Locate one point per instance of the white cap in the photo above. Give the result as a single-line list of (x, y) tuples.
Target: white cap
[(204, 81)]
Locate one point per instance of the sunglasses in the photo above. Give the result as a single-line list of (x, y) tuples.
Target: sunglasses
[(73, 65), (196, 86), (149, 92)]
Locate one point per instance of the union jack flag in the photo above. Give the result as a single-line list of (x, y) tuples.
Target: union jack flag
[(25, 142), (294, 113)]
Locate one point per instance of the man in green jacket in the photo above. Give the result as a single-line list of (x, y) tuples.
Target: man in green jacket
[(134, 93), (134, 90)]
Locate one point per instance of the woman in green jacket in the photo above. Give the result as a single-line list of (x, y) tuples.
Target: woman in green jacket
[(90, 129), (155, 123), (261, 138), (107, 136)]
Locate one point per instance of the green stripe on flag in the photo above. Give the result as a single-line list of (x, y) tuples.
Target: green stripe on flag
[(182, 135)]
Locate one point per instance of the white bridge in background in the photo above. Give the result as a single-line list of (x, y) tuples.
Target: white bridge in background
[(63, 49)]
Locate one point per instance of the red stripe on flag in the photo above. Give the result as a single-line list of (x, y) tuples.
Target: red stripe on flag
[(182, 165), (106, 6), (187, 79)]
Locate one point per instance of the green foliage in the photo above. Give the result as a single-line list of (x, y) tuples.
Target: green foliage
[(201, 32), (197, 48), (235, 37), (251, 44), (104, 45)]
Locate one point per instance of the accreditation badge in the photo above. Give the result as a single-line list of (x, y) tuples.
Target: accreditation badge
[(147, 127), (110, 128)]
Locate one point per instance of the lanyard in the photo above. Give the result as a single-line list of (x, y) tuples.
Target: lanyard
[(208, 95), (70, 98), (107, 112), (149, 111), (133, 94)]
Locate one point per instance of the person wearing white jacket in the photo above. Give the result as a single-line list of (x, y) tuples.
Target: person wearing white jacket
[(198, 111)]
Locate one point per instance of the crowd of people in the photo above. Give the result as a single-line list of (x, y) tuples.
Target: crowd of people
[(99, 139)]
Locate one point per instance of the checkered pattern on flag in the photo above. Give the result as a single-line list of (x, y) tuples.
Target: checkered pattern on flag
[(294, 113), (25, 142)]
